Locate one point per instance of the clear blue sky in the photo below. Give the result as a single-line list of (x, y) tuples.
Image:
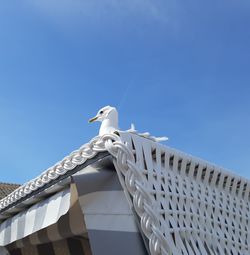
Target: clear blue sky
[(174, 68)]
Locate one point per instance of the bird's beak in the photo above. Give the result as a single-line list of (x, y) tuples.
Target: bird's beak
[(93, 119)]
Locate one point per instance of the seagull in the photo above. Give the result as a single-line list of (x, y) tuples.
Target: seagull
[(108, 115)]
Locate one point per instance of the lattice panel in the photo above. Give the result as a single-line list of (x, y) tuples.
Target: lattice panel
[(202, 209)]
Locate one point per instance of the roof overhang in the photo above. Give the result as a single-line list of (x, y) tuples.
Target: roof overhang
[(47, 189)]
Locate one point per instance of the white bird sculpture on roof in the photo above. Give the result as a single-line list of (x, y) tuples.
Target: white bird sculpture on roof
[(108, 115)]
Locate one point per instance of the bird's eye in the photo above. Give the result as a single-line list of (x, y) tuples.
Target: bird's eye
[(101, 112)]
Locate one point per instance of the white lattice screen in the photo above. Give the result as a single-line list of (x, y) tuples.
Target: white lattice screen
[(202, 208)]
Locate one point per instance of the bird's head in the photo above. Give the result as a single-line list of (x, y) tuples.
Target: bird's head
[(105, 113)]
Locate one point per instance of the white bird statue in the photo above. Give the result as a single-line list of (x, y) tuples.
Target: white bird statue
[(108, 115)]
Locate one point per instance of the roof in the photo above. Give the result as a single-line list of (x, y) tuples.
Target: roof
[(170, 192), (87, 154), (7, 188)]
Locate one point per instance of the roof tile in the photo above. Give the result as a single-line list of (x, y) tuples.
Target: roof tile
[(7, 188)]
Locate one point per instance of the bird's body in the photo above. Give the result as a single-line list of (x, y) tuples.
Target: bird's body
[(109, 125), (109, 117)]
